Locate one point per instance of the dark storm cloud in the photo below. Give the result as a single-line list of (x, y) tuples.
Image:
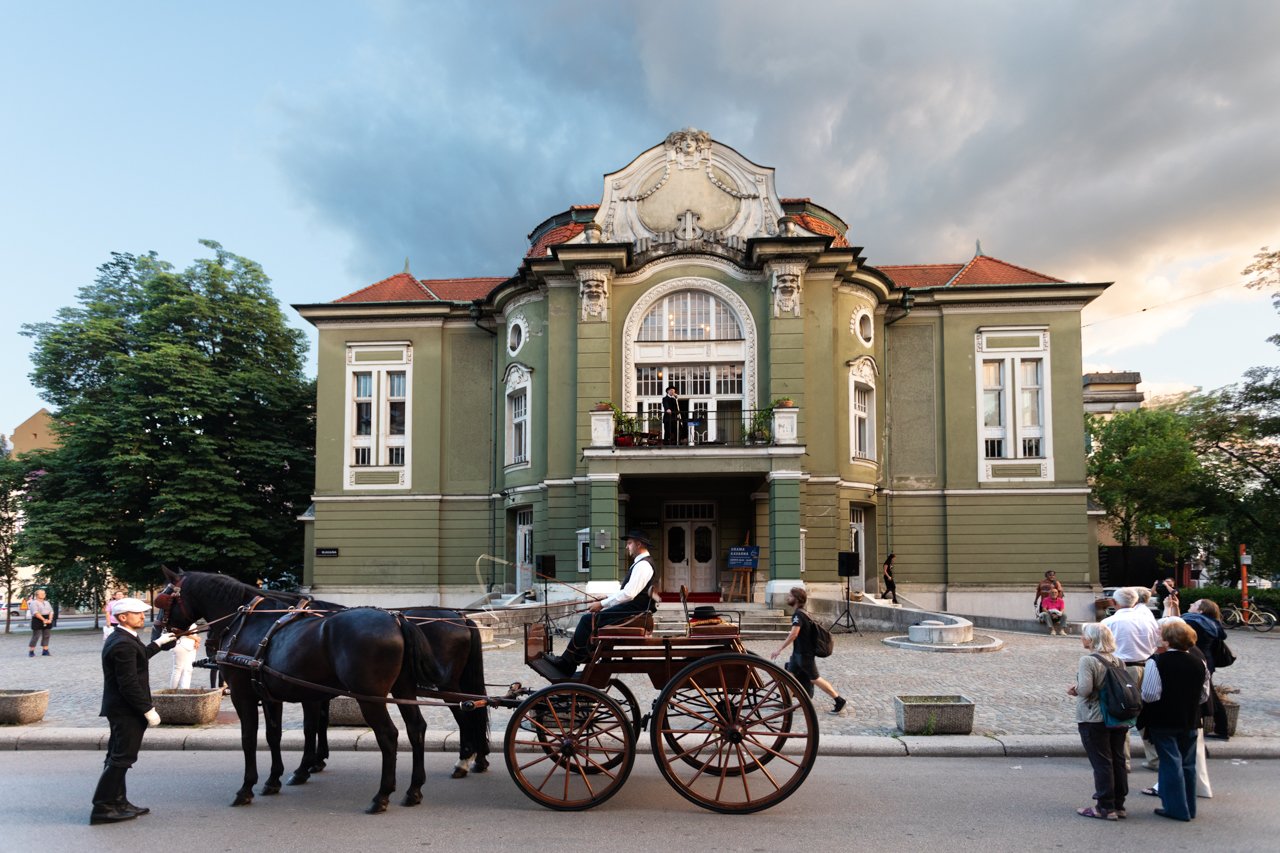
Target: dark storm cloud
[(1081, 139)]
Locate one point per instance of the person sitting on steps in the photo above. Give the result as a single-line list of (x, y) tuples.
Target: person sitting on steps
[(634, 598)]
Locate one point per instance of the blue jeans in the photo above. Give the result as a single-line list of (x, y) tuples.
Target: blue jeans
[(1177, 751)]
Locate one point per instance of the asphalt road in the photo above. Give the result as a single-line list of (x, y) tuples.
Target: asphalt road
[(847, 804)]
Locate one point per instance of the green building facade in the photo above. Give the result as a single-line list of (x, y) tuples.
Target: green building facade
[(929, 411)]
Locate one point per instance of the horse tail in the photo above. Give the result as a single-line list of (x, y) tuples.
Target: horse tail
[(420, 663), (472, 681)]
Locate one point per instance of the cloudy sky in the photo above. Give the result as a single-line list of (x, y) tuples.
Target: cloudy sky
[(1126, 142)]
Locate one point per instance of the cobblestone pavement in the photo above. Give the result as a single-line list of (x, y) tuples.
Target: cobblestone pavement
[(1018, 690)]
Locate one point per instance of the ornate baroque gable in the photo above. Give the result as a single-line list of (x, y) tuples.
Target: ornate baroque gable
[(689, 193)]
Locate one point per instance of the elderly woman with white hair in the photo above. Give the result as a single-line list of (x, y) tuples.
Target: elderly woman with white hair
[(1104, 745)]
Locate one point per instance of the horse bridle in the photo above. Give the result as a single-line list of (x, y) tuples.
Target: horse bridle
[(172, 595)]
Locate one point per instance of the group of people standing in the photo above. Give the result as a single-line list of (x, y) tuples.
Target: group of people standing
[(1172, 660)]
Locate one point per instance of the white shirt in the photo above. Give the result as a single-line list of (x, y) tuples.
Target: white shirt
[(1137, 636), (127, 629), (641, 574)]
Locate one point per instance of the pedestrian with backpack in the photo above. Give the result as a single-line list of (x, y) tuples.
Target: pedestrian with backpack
[(1104, 689), (803, 664)]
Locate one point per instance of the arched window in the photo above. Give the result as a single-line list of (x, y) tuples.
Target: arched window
[(690, 315)]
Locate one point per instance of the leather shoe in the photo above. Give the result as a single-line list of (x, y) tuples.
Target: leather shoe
[(1164, 813), (1216, 736), (109, 814), (567, 666), (138, 810)]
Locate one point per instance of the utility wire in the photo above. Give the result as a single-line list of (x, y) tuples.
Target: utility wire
[(1161, 304)]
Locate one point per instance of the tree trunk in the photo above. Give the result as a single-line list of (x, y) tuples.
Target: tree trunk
[(97, 608)]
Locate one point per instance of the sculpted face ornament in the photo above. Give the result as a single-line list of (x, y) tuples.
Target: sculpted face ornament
[(787, 281), (593, 288), (690, 146)]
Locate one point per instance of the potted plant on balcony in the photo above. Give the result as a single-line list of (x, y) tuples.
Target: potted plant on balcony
[(625, 426), (760, 429)]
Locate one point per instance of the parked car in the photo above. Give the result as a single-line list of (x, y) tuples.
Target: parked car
[(1110, 592)]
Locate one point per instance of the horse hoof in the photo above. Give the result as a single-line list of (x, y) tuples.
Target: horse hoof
[(243, 801), (376, 808), (318, 767), (268, 790), (298, 779), (412, 799), (481, 765), (458, 773)]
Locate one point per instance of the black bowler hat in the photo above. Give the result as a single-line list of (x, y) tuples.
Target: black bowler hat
[(704, 611), (639, 535), (671, 388)]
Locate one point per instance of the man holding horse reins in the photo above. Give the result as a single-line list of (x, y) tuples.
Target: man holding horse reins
[(634, 598), (126, 703)]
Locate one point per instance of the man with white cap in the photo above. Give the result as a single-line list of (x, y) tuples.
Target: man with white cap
[(126, 703)]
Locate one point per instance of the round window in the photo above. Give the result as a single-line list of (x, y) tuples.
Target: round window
[(515, 337), (865, 328)]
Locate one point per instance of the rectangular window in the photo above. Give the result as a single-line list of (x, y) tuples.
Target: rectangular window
[(395, 403), (861, 424), (519, 403), (364, 404), (729, 379), (649, 382), (1015, 403), (379, 420)]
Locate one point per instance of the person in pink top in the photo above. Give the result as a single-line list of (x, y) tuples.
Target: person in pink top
[(1053, 612)]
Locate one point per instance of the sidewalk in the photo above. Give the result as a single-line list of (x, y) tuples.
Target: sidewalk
[(1019, 691), (30, 738)]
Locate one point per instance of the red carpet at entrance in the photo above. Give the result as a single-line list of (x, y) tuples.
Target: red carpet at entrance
[(694, 597)]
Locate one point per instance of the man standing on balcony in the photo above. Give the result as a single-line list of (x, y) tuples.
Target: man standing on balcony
[(671, 416)]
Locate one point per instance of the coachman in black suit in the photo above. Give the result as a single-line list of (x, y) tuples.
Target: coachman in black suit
[(126, 703), (671, 416)]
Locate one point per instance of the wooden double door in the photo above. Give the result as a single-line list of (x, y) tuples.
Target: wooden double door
[(690, 547)]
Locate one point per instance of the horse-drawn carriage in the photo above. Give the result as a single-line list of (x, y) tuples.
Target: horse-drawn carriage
[(729, 730)]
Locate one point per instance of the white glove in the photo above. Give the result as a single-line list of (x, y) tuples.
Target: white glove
[(153, 718), (165, 638)]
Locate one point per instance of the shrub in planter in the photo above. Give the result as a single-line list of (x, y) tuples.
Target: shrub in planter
[(934, 715)]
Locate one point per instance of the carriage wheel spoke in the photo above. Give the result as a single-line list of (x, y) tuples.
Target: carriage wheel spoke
[(775, 753), (746, 789)]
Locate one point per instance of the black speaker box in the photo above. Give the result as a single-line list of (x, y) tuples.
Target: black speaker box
[(545, 565), (848, 565)]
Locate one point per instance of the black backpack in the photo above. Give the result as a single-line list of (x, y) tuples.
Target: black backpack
[(1121, 698), (1221, 652), (823, 643)]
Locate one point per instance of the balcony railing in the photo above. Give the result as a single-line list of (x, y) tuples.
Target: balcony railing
[(696, 428)]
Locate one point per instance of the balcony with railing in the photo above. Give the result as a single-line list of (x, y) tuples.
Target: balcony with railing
[(698, 427)]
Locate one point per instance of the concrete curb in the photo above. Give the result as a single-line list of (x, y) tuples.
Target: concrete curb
[(28, 738)]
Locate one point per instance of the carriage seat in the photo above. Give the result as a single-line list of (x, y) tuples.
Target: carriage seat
[(640, 625), (724, 629)]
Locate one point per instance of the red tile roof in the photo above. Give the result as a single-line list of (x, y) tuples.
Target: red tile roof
[(584, 207), (921, 275), (980, 270), (554, 237), (821, 226), (984, 270), (401, 287), (793, 200), (463, 289)]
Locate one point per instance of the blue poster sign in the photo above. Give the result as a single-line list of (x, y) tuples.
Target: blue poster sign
[(744, 556)]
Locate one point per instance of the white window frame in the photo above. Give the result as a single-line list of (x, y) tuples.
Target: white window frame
[(987, 348), (862, 377), (519, 380), (378, 358)]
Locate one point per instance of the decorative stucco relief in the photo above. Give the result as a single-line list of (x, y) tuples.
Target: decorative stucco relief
[(593, 288), (787, 280)]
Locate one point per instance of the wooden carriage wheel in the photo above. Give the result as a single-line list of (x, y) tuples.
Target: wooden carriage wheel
[(734, 733), (569, 747)]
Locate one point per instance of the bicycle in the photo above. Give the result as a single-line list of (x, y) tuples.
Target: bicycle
[(1256, 617)]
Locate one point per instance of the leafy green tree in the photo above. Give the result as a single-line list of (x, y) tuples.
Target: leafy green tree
[(186, 428), (1145, 475), (12, 482)]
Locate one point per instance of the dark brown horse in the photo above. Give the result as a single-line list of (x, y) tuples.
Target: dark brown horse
[(363, 651)]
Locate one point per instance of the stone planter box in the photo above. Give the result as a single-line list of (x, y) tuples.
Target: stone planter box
[(190, 707), (1233, 717), (345, 711), (20, 707), (933, 715)]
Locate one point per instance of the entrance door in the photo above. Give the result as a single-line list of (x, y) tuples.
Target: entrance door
[(690, 550), (524, 550)]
